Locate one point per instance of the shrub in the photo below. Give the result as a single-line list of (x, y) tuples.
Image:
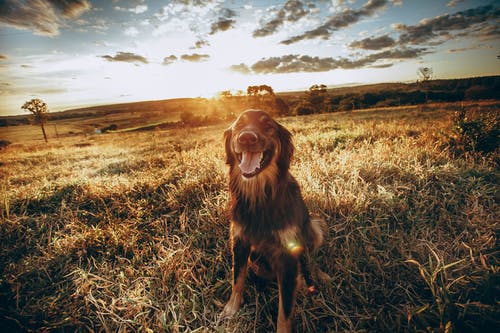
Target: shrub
[(480, 92), (303, 109), (4, 143), (478, 132), (112, 127)]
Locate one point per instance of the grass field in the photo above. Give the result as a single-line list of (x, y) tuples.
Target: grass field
[(128, 231)]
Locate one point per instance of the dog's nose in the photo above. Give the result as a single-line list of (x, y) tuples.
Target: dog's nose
[(247, 138)]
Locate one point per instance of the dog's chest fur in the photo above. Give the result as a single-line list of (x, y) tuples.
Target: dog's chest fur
[(273, 220)]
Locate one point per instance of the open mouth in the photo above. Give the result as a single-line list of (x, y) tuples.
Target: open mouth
[(251, 163)]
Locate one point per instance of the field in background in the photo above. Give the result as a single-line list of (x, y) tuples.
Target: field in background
[(87, 120), (128, 231)]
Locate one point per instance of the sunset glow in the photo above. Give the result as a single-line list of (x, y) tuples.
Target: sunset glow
[(81, 52)]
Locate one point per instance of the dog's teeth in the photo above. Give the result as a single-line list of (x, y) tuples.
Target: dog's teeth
[(261, 156)]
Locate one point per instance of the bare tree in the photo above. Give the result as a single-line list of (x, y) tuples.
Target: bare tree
[(40, 112), (425, 73)]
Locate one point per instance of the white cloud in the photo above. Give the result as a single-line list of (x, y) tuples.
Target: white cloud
[(139, 9), (132, 32)]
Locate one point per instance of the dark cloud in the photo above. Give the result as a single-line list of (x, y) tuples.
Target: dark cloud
[(340, 20), (169, 60), (222, 25), (439, 29), (43, 17), (463, 49), (292, 11), (486, 31), (303, 63), (71, 8), (201, 43), (373, 43), (225, 21), (387, 65), (195, 57), (126, 57)]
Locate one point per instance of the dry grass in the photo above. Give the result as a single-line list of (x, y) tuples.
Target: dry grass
[(128, 232)]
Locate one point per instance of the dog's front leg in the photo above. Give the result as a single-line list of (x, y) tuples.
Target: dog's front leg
[(287, 284), (241, 251)]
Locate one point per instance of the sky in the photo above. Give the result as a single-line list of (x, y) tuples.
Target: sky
[(74, 53)]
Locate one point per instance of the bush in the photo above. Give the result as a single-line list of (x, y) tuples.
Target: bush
[(480, 92), (303, 109), (112, 127), (4, 143), (476, 132)]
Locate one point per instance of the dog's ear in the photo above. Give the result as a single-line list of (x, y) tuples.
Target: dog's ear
[(286, 151), (227, 143)]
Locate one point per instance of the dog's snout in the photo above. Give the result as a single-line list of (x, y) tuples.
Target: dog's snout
[(247, 138)]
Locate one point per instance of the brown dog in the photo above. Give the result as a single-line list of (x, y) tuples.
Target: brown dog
[(272, 233)]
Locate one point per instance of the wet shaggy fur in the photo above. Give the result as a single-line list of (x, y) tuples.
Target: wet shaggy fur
[(272, 233)]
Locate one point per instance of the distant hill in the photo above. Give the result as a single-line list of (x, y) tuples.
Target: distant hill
[(339, 99), (164, 107)]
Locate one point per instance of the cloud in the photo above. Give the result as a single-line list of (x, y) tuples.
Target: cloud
[(50, 91), (303, 63), (195, 57), (125, 57), (373, 43), (463, 49), (485, 31), (195, 16), (438, 29), (292, 11), (131, 31), (201, 43), (387, 65), (43, 17), (222, 25), (453, 3), (225, 21), (139, 9), (197, 3), (340, 20), (71, 8), (241, 68), (169, 60)]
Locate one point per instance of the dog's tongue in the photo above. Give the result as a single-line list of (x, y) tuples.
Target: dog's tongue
[(250, 161)]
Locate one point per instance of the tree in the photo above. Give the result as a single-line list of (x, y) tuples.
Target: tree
[(316, 97), (257, 95), (425, 73), (318, 88), (40, 112), (226, 94)]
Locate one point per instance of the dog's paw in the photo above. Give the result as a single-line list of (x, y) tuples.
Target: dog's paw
[(232, 306)]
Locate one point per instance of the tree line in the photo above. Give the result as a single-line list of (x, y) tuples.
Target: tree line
[(319, 99)]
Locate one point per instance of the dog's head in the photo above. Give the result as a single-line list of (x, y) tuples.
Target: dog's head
[(255, 141)]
